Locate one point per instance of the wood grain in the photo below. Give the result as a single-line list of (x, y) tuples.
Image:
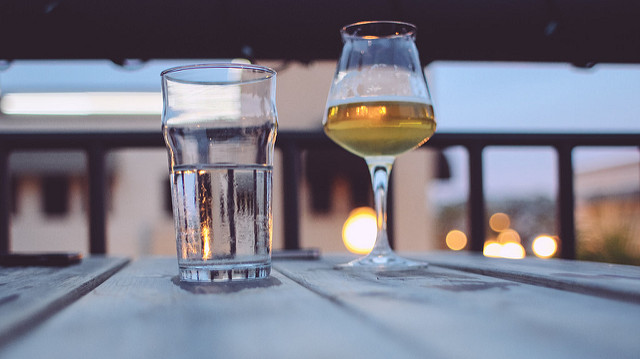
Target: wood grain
[(620, 282), (455, 314), (309, 309), (29, 295), (143, 312)]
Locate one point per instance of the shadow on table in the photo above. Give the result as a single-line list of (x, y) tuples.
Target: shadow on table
[(225, 287)]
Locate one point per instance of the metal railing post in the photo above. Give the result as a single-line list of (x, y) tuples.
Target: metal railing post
[(390, 212), (566, 202), (476, 198), (5, 202), (97, 200)]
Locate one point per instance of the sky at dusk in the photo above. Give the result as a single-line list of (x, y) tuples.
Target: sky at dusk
[(525, 97)]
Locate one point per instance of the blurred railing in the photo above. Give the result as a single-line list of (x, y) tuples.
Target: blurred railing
[(96, 145)]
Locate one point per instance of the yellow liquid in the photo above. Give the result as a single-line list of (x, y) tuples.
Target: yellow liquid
[(381, 128)]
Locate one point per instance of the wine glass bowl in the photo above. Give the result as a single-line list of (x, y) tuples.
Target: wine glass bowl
[(378, 108)]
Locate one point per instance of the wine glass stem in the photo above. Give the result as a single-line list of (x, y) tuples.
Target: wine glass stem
[(380, 171)]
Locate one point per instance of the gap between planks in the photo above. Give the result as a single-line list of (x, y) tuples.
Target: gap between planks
[(542, 280), (40, 313)]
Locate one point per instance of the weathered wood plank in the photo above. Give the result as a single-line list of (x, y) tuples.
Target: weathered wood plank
[(454, 314), (28, 295), (606, 280), (144, 312)]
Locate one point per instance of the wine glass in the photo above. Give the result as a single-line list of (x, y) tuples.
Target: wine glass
[(379, 107)]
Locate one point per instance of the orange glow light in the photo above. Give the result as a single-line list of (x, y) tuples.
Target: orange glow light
[(508, 236), (544, 246), (512, 250), (359, 230), (206, 242), (456, 240), (491, 249), (499, 222)]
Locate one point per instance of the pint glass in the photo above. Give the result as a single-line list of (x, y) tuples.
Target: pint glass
[(219, 123)]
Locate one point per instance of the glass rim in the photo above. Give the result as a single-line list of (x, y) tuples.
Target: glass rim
[(267, 71), (349, 31)]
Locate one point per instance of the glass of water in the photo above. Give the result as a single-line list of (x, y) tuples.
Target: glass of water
[(219, 123)]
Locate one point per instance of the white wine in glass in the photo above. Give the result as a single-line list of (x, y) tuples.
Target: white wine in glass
[(378, 108)]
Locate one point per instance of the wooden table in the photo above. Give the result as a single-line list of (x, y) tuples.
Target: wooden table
[(462, 306)]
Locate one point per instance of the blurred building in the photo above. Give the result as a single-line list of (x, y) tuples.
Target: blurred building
[(607, 211)]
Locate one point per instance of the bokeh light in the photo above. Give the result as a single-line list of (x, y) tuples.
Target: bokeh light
[(456, 240), (491, 249), (499, 222), (508, 242), (512, 250), (359, 230), (498, 249), (544, 246), (509, 235)]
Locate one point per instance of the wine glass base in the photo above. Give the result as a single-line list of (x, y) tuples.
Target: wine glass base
[(389, 261)]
